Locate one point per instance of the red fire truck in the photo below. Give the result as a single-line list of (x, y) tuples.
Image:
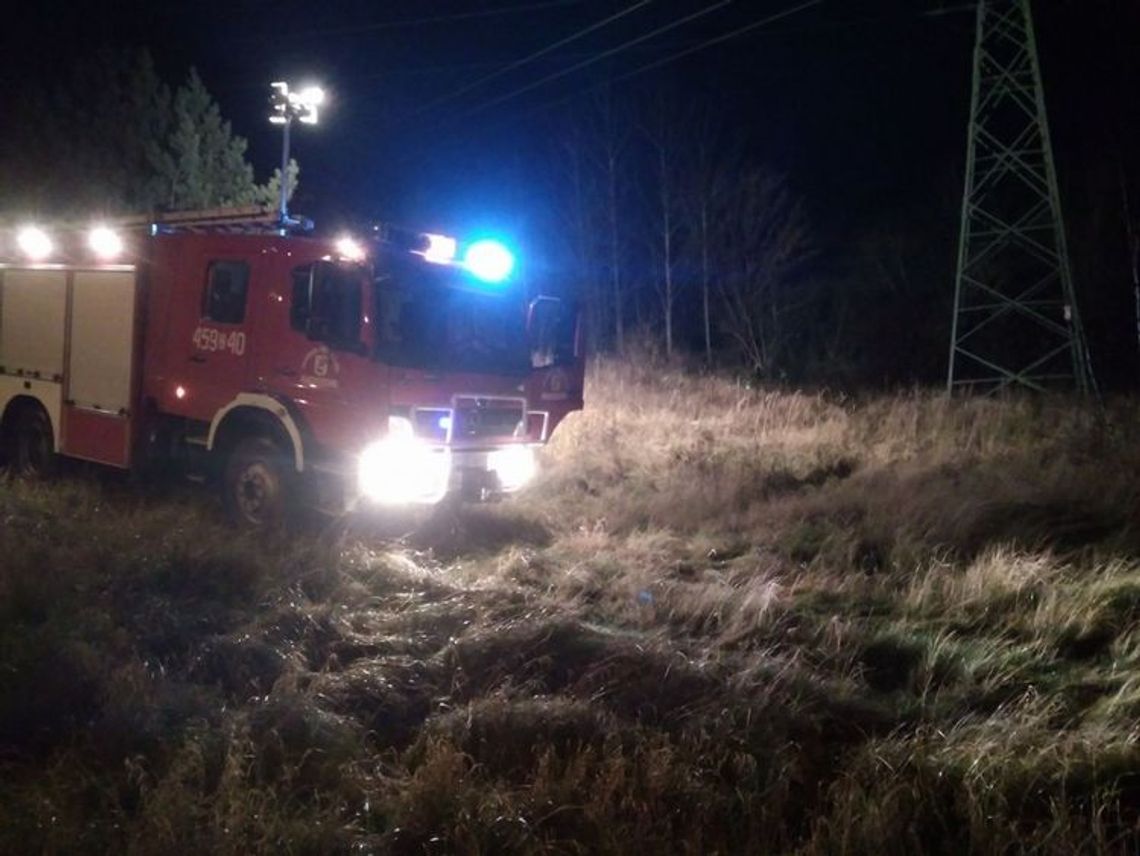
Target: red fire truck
[(291, 369)]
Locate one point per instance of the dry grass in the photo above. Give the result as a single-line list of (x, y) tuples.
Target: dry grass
[(724, 620)]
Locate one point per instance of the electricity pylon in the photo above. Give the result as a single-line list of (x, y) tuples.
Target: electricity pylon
[(1015, 314)]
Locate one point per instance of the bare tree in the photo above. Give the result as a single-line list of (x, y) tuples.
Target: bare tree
[(592, 169), (615, 136), (716, 164), (663, 129), (576, 193), (764, 241)]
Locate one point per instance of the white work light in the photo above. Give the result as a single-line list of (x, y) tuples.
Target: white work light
[(440, 249), (104, 242), (34, 243), (350, 249)]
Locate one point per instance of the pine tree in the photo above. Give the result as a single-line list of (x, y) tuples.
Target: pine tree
[(270, 192), (206, 165)]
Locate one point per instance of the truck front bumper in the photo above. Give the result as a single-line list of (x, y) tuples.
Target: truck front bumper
[(404, 474), (484, 475)]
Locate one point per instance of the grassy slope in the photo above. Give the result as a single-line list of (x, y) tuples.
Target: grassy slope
[(724, 620)]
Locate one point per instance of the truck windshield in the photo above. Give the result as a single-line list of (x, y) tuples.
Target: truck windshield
[(427, 319)]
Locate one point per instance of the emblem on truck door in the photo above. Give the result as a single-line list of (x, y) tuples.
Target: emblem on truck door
[(554, 386), (320, 368)]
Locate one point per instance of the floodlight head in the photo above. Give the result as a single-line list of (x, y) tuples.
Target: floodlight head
[(311, 96), (301, 105)]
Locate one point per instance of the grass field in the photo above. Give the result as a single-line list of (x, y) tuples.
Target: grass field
[(724, 620)]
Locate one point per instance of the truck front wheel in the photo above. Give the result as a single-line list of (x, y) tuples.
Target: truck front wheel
[(257, 484)]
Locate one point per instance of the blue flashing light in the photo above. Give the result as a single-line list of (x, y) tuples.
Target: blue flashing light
[(489, 261)]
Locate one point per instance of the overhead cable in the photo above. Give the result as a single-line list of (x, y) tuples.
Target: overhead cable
[(716, 40), (597, 25), (598, 57)]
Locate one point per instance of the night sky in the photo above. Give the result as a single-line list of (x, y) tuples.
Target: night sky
[(862, 103)]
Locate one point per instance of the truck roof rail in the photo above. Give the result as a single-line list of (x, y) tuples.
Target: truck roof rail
[(246, 218), (399, 236)]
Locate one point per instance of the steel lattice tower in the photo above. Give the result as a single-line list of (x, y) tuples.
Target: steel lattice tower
[(1015, 315)]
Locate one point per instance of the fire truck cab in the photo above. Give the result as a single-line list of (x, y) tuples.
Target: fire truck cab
[(288, 368)]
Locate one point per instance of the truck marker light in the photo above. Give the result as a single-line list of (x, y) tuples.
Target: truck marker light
[(489, 261), (35, 243), (349, 249), (105, 243), (440, 249), (179, 392)]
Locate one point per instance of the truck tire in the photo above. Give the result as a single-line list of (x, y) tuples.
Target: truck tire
[(30, 444), (257, 484)]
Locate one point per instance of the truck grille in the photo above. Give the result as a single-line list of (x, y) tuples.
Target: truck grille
[(480, 418)]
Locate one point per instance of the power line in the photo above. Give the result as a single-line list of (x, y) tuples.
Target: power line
[(688, 45), (697, 46), (600, 56), (947, 10), (716, 40), (504, 65), (399, 23), (692, 49), (597, 25)]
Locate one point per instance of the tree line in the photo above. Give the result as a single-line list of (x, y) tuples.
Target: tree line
[(674, 230)]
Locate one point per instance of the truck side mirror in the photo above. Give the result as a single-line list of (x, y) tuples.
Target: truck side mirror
[(551, 326)]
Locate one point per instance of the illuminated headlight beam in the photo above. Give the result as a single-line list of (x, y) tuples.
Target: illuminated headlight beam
[(514, 465), (401, 469)]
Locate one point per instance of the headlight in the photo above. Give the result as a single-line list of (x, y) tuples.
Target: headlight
[(514, 465), (402, 469)]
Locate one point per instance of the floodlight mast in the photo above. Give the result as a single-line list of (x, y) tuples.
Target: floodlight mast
[(288, 106)]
